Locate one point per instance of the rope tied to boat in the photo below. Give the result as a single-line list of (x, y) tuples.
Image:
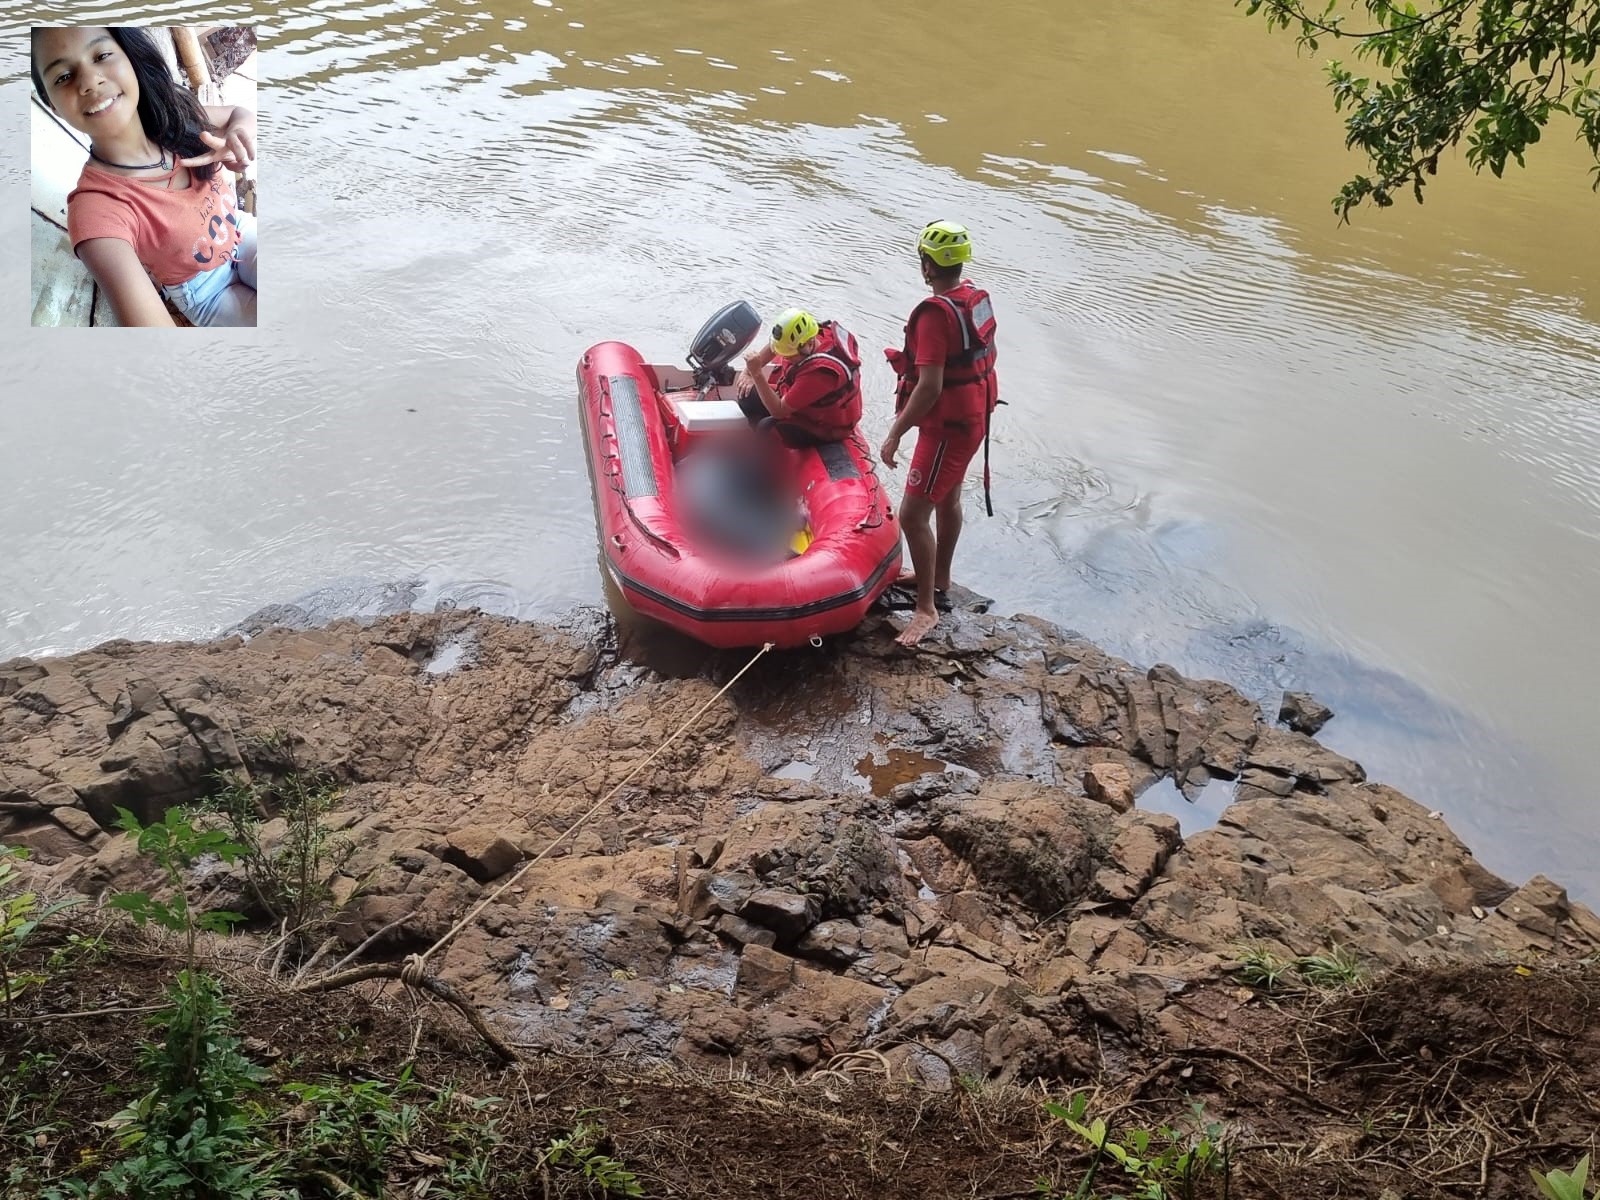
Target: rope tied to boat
[(873, 518), (414, 970)]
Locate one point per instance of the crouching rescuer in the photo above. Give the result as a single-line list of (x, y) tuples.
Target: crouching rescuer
[(813, 395), (947, 391)]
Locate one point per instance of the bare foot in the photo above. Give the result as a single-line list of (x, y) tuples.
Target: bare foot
[(921, 626)]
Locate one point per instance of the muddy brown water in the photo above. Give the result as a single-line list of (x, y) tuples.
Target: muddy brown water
[(1363, 461)]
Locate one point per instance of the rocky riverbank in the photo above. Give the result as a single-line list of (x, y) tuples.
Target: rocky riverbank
[(939, 856)]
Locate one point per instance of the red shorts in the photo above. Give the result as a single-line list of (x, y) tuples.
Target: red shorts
[(941, 459)]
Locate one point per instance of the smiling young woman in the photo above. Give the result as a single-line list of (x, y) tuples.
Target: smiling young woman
[(152, 216)]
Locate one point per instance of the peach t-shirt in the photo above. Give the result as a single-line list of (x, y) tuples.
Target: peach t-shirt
[(177, 234)]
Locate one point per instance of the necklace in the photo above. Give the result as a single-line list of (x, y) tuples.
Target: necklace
[(129, 167)]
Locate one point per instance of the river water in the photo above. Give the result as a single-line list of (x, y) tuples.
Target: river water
[(1240, 438)]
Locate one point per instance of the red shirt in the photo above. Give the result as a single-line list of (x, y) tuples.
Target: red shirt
[(931, 335), (177, 234)]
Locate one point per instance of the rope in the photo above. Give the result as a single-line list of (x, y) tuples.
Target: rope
[(874, 485), (414, 969)]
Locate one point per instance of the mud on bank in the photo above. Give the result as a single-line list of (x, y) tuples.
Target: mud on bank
[(1431, 1082)]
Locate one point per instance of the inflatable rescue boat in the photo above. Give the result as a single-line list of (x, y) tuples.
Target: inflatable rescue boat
[(714, 528)]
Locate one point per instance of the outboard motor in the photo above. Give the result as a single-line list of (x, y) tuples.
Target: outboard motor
[(719, 341)]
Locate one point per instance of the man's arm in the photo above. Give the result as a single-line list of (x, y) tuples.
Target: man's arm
[(755, 369), (930, 382), (117, 269)]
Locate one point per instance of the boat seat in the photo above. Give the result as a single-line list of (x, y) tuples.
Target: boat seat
[(709, 416)]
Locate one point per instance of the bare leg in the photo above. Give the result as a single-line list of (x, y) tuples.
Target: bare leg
[(916, 521), (948, 514), (247, 249)]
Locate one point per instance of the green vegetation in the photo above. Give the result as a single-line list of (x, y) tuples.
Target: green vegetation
[(20, 914), (290, 883), (207, 1121), (1333, 969), (1161, 1164), (1559, 1185), (1337, 968), (583, 1151), (1491, 73)]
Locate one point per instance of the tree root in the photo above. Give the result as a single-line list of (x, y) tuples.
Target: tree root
[(422, 981)]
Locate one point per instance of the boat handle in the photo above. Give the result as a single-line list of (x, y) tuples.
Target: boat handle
[(816, 642), (616, 540)]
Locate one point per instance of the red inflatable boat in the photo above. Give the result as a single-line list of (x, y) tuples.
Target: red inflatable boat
[(716, 529)]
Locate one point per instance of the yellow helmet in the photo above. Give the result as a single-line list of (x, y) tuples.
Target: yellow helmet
[(946, 243), (793, 328)]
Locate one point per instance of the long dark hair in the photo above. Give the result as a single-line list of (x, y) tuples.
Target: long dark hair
[(171, 116)]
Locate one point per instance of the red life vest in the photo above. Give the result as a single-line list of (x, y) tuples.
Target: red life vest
[(836, 356), (971, 389)]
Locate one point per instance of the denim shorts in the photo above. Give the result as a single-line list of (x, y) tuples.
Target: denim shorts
[(224, 295)]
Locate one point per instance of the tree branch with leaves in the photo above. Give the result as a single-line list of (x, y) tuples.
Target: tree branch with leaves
[(1490, 73)]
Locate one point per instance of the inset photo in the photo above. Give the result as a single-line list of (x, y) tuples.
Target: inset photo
[(144, 174)]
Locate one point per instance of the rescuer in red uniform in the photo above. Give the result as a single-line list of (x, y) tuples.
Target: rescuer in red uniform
[(814, 394), (947, 391)]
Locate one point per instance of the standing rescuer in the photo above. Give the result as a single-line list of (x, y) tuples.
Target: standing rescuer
[(947, 390)]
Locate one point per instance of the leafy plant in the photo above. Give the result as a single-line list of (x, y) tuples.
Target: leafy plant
[(583, 1151), (1560, 1185), (1334, 968), (1161, 1164), (1491, 73), (175, 842), (1261, 968), (352, 1127), (1337, 968), (20, 914), (291, 880), (190, 1135)]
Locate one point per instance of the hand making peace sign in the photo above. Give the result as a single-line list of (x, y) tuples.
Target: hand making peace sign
[(234, 148)]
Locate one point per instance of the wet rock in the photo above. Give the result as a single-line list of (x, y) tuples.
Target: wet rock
[(1137, 855), (78, 823), (742, 932), (978, 867), (1538, 906), (1110, 784), (481, 851), (722, 892), (1303, 713), (855, 870), (763, 972), (787, 914)]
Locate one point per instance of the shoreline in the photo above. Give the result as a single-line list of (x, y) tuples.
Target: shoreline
[(798, 979), (713, 887)]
